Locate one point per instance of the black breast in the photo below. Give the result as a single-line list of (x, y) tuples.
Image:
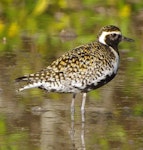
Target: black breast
[(99, 84)]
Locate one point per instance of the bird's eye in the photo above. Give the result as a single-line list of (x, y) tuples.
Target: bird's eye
[(114, 34)]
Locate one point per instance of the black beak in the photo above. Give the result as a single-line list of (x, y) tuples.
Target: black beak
[(127, 39)]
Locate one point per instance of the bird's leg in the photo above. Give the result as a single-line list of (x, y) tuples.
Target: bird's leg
[(82, 107), (83, 135), (72, 107)]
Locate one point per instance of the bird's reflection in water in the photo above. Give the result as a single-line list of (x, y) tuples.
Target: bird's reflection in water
[(82, 136), (96, 123), (77, 143), (57, 131)]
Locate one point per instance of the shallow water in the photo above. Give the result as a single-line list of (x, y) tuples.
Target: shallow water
[(34, 119)]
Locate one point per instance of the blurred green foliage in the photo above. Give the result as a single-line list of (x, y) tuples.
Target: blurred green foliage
[(46, 18)]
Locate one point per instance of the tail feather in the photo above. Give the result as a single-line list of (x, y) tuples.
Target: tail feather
[(24, 78), (29, 84)]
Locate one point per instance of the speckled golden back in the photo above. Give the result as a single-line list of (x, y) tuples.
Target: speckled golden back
[(81, 60)]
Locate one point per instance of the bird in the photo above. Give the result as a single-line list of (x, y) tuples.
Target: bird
[(82, 69)]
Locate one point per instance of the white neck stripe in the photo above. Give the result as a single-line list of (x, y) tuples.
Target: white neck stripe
[(104, 34)]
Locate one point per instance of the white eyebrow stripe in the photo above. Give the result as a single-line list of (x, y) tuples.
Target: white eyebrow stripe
[(104, 34)]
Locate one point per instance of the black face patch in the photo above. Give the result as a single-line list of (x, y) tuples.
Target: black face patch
[(113, 39)]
